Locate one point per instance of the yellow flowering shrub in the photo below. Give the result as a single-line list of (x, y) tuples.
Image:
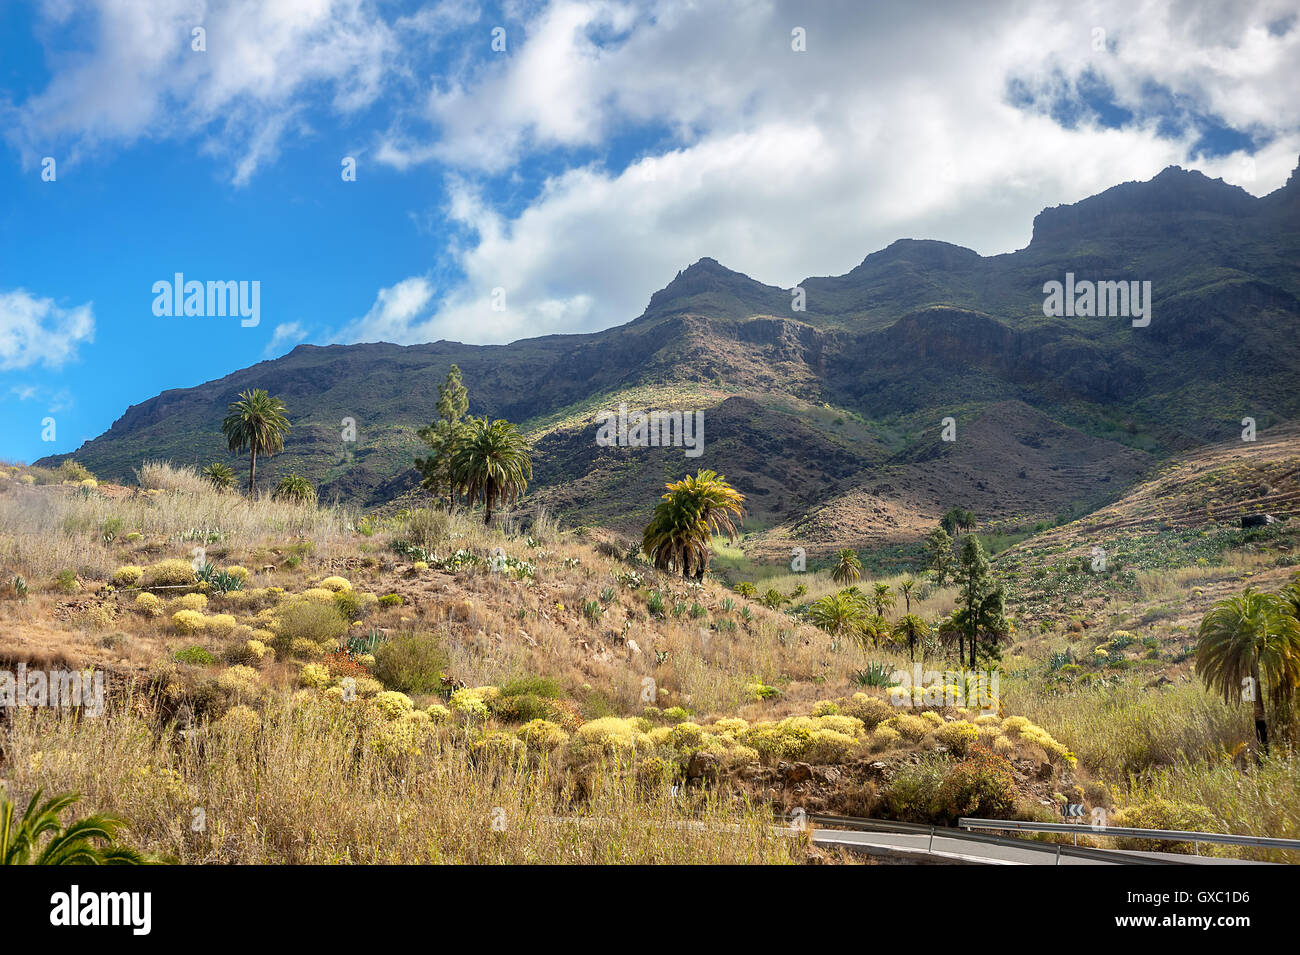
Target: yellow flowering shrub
[(318, 595), (149, 604), (957, 736), (189, 602), (335, 584), (872, 710), (612, 734), (305, 648), (169, 573), (393, 704), (838, 723), (187, 621), (931, 717), (542, 734), (1014, 725), (240, 719), (314, 675), (437, 712), (884, 737), (220, 624), (239, 681), (128, 576), (234, 570), (911, 727), (733, 725), (829, 746), (468, 704)]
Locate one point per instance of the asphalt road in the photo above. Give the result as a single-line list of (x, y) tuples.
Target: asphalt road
[(945, 849)]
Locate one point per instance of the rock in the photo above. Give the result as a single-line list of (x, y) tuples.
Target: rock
[(702, 765), (631, 645), (798, 773)]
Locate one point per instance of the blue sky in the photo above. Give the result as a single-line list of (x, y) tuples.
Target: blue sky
[(606, 146)]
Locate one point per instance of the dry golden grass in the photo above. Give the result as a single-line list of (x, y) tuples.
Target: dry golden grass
[(304, 788)]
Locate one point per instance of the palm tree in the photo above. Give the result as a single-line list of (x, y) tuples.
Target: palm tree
[(1250, 637), (680, 534), (86, 841), (966, 521), (840, 614), (882, 600), (798, 591), (491, 463), (220, 476), (912, 628), (296, 489), (255, 423), (847, 567), (908, 587), (772, 598)]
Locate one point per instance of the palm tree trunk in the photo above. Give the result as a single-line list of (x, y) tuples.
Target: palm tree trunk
[(252, 470), (487, 500), (1261, 719)]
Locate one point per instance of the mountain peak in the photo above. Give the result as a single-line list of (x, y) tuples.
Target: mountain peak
[(726, 290), (1140, 206)]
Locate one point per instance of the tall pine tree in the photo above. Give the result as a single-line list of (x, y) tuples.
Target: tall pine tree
[(444, 436)]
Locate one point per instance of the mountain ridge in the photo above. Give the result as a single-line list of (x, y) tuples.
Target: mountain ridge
[(917, 331)]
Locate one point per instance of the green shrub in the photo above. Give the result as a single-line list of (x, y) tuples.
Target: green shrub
[(910, 796), (308, 620), (534, 685), (349, 603), (391, 600), (982, 785), (195, 656), (412, 663)]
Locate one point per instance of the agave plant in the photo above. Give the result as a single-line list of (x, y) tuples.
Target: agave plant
[(91, 840)]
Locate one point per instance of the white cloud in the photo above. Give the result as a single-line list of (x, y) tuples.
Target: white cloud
[(894, 123), (35, 331), (285, 334), (396, 314), (139, 77)]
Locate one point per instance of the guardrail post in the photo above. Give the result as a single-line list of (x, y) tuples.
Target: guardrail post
[(1058, 853), (1197, 847), (931, 849)]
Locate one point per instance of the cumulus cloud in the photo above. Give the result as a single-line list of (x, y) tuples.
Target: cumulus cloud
[(135, 74), (285, 336), (950, 120), (35, 331), (895, 122)]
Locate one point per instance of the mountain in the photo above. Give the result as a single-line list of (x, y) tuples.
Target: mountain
[(829, 418)]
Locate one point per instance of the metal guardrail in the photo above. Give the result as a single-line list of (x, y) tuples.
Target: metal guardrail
[(1056, 850), (1172, 835)]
